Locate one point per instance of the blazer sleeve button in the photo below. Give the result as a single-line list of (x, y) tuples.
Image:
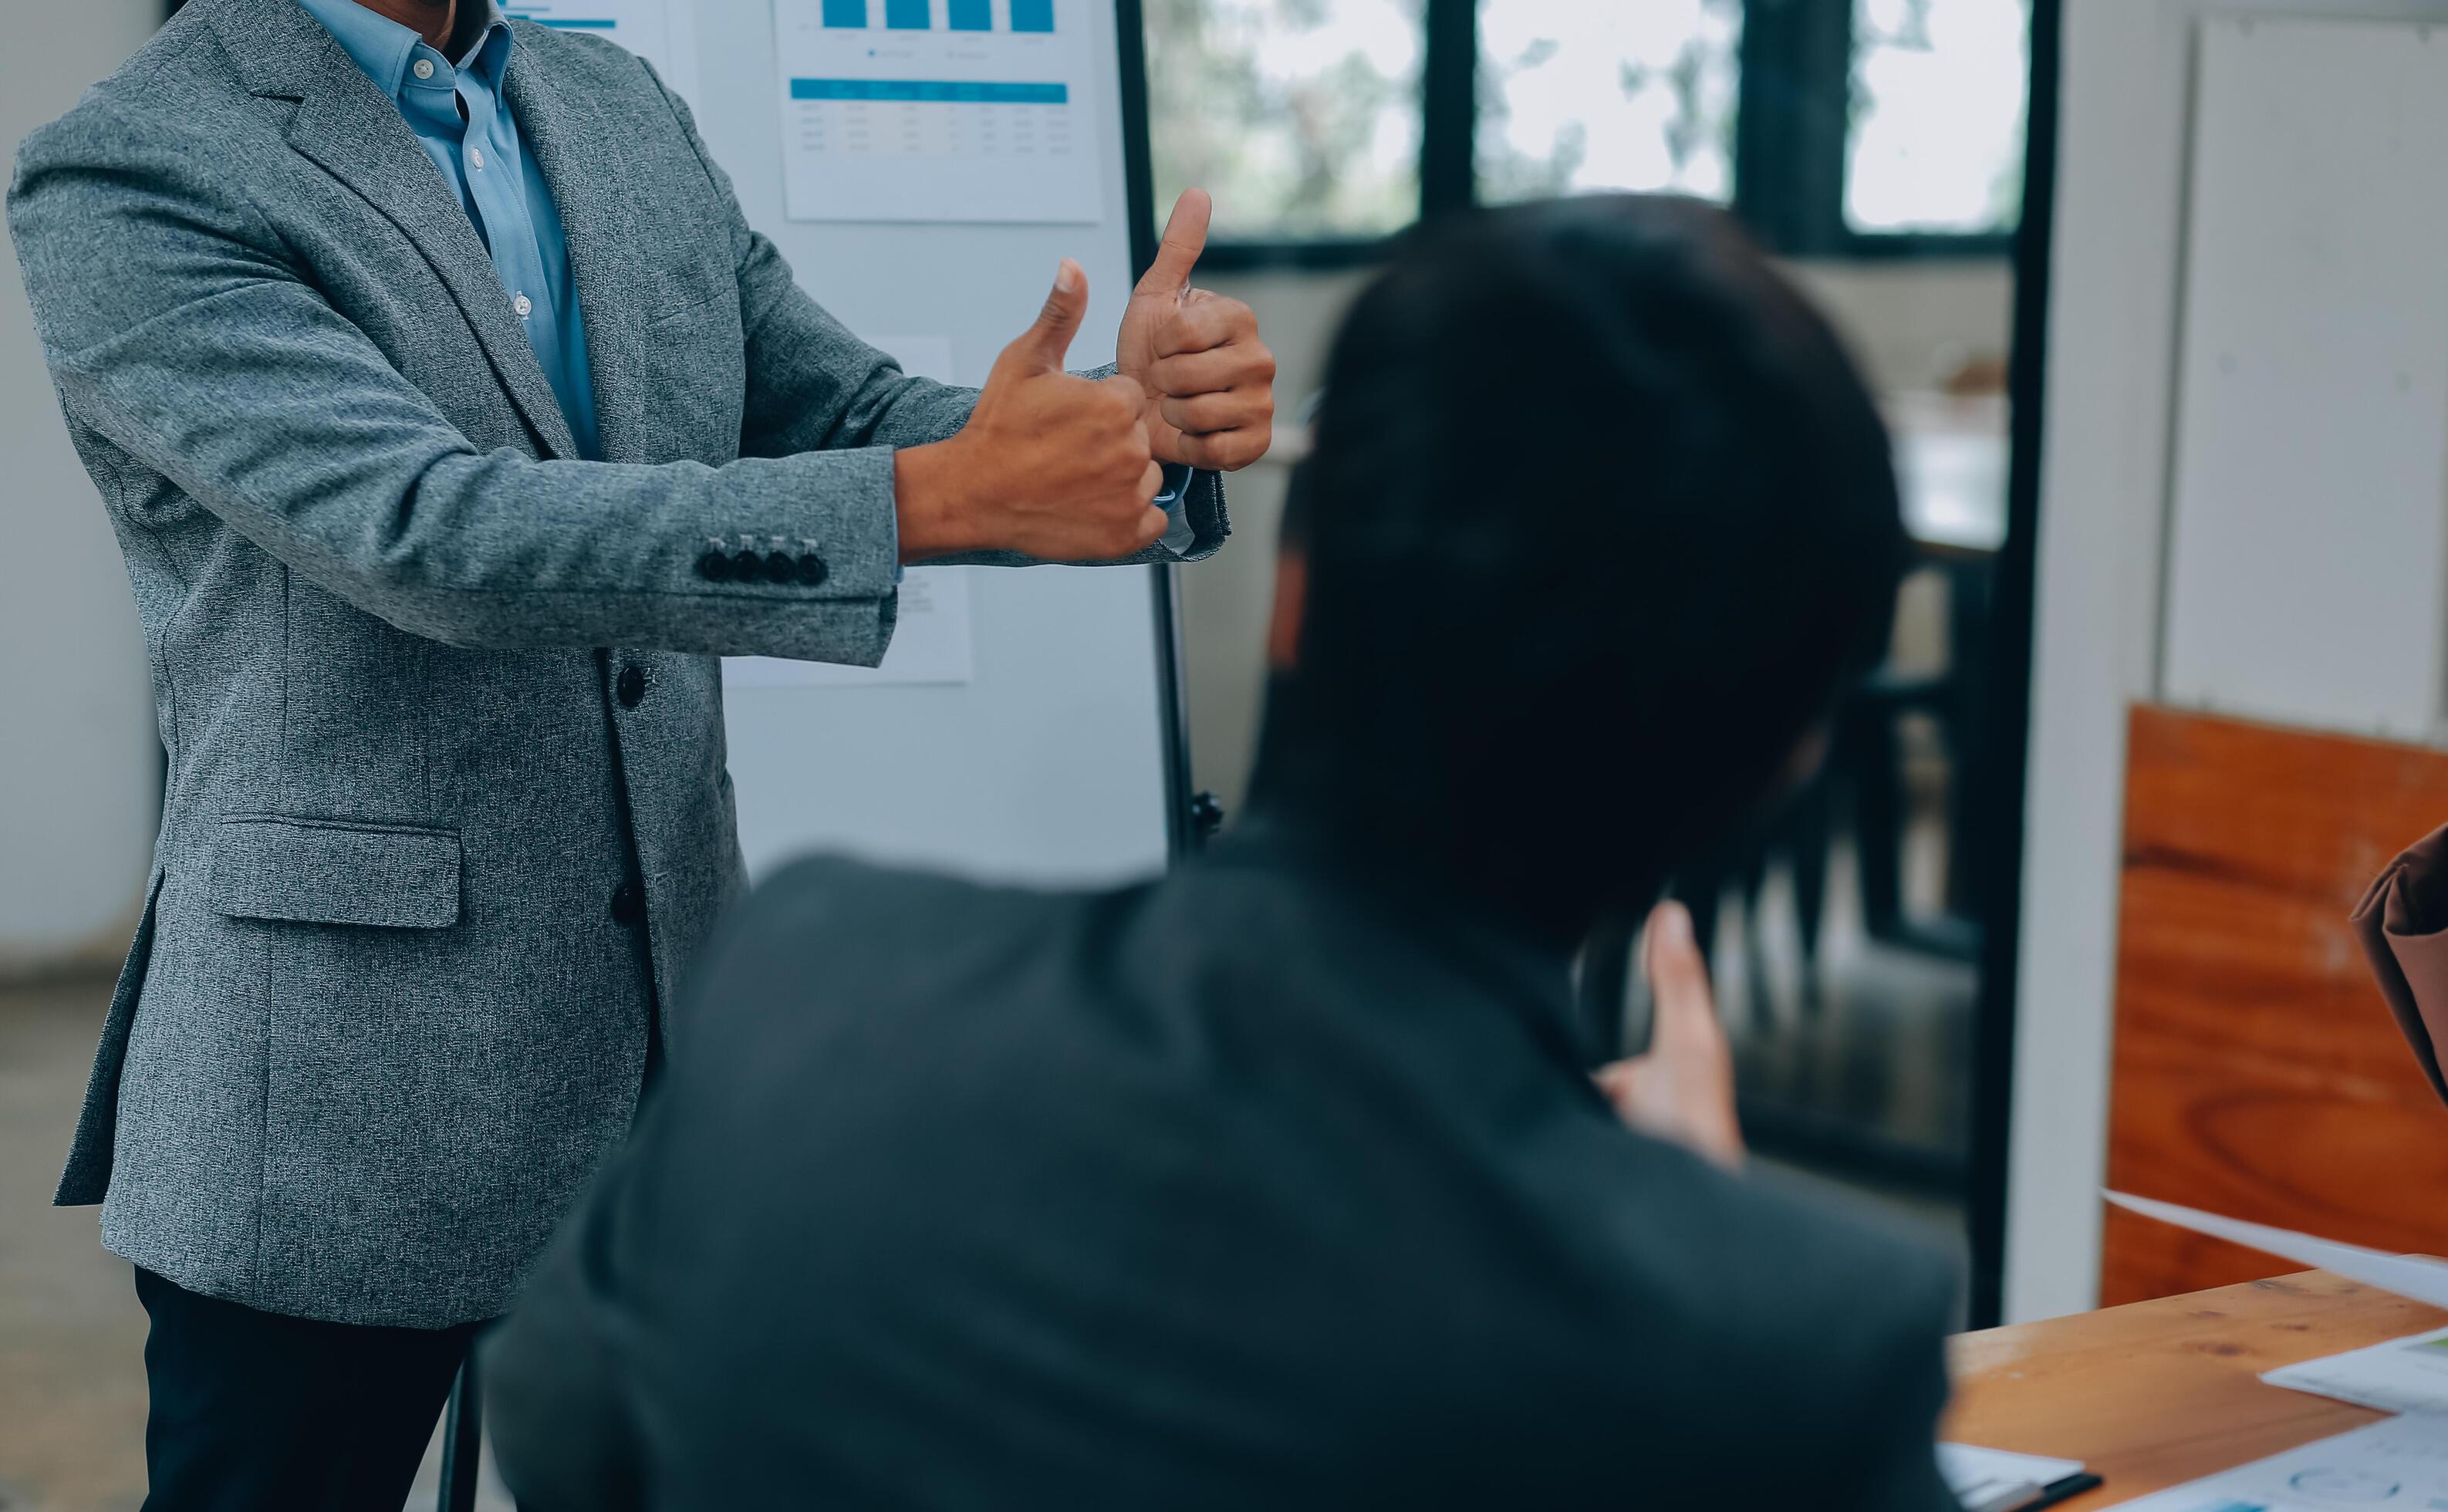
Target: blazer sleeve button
[(813, 572), (748, 566), (714, 566), (780, 568)]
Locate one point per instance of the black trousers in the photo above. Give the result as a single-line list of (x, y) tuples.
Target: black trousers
[(253, 1410)]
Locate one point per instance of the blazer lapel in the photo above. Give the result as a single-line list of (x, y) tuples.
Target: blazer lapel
[(344, 124), (580, 157)]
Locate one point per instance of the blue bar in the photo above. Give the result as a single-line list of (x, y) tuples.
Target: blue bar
[(846, 13), (972, 16), (957, 92), (906, 15), (1032, 15), (588, 24)]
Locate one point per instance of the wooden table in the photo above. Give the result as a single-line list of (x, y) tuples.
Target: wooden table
[(2158, 1393)]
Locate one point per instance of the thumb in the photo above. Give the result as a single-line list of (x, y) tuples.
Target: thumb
[(1685, 1013), (1041, 347), (1185, 238)]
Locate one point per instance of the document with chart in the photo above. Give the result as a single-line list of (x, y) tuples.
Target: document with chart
[(939, 110), (932, 642), (2397, 1462), (661, 31), (2403, 1375)]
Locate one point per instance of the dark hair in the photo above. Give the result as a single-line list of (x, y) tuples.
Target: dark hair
[(1599, 521)]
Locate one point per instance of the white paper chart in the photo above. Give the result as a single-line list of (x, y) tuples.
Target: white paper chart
[(2403, 1375), (2397, 1462), (661, 31), (932, 642), (939, 110)]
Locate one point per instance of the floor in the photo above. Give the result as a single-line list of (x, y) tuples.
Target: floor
[(1854, 1069), (1869, 1046), (71, 1334)]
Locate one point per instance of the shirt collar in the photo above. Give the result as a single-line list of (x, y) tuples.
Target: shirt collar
[(384, 48)]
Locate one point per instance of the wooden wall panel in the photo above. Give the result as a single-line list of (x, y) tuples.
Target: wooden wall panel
[(2256, 1069)]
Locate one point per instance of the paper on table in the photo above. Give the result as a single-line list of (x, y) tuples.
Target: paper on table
[(2408, 1276), (1983, 1478), (2397, 1462), (2403, 1375)]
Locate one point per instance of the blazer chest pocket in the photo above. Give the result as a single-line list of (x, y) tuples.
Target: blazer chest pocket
[(268, 866)]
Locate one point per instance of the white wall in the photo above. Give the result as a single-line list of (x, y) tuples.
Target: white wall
[(2306, 529), (79, 784), (2112, 331)]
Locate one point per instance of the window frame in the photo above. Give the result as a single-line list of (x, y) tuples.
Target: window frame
[(1790, 150), (1790, 147)]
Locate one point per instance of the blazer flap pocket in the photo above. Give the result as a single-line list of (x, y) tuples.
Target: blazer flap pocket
[(330, 871)]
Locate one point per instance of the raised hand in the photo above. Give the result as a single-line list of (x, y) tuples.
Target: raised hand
[(1050, 465), (1209, 381), (1683, 1089)]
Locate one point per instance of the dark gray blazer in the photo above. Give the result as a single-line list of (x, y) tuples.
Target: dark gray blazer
[(432, 689), (1269, 1185)]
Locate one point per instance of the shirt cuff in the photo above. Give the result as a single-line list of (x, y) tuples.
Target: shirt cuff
[(1175, 501)]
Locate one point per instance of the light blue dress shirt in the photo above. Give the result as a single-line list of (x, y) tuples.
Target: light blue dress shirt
[(459, 115), (463, 123)]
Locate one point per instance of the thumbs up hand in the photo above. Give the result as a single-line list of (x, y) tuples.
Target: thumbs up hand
[(1683, 1089), (1050, 465), (1209, 381)]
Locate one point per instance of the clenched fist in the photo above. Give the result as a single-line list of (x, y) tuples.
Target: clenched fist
[(1050, 465), (1209, 381)]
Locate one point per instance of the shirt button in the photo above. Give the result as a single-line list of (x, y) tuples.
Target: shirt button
[(522, 305), (424, 67), (476, 156)]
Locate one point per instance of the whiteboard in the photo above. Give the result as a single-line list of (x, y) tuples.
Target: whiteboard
[(2308, 578), (1057, 761)]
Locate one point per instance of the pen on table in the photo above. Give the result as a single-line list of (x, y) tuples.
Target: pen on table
[(2025, 1495)]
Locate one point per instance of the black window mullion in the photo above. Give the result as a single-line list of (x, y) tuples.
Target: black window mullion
[(1791, 126), (1448, 107)]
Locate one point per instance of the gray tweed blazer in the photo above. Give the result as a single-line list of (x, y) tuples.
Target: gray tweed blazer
[(447, 810)]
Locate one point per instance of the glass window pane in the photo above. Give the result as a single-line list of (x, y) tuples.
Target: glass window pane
[(1629, 94), (1936, 136), (1301, 116)]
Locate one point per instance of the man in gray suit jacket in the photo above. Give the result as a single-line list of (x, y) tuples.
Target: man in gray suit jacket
[(452, 421)]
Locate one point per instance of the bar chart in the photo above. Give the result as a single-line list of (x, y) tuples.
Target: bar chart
[(937, 110), (1030, 16)]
